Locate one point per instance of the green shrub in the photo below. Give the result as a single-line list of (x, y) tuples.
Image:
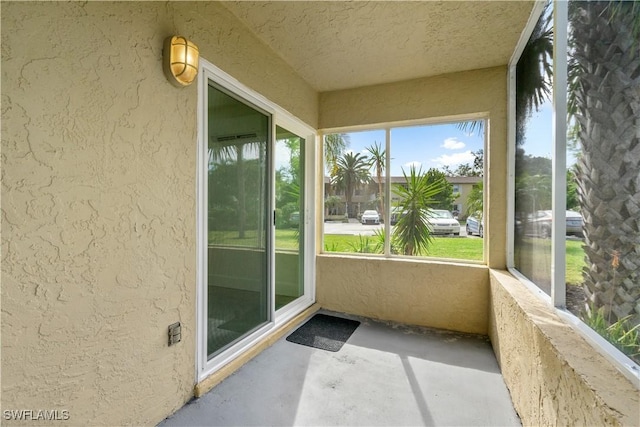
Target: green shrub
[(363, 245), (621, 334)]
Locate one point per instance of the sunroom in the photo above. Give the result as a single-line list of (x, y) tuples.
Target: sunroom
[(155, 237)]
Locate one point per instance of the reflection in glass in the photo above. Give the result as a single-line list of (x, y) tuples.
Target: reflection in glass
[(289, 154), (237, 285), (533, 189)]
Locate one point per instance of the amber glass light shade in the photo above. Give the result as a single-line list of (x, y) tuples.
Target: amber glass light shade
[(180, 60)]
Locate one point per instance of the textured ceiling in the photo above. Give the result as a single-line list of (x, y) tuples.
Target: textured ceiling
[(338, 45)]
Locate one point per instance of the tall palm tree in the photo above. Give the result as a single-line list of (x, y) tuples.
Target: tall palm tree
[(533, 76), (334, 146), (534, 72), (412, 233), (233, 152), (352, 171), (605, 100), (377, 159)]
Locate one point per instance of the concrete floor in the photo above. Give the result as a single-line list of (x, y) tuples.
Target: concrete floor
[(385, 375)]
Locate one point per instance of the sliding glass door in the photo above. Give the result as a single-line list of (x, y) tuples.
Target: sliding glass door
[(237, 219), (255, 236)]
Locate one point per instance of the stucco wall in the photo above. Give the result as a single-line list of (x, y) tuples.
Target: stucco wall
[(480, 91), (98, 201), (439, 295), (554, 376)]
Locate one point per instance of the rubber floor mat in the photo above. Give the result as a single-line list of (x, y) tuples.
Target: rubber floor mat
[(324, 332)]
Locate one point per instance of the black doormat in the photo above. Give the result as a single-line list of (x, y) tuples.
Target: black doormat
[(324, 332)]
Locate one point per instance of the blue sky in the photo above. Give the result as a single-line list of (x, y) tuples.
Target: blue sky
[(426, 146), (539, 134), (439, 145)]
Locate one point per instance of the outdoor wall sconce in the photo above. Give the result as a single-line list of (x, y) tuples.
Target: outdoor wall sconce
[(180, 61)]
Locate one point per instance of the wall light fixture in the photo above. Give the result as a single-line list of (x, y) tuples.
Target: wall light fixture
[(180, 60)]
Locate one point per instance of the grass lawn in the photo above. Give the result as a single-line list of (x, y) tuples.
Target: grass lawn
[(575, 262), (442, 247), (285, 239), (535, 254), (533, 259), (538, 256)]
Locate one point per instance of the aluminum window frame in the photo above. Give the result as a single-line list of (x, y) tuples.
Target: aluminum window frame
[(388, 127)]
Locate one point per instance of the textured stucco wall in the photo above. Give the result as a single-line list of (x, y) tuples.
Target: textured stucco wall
[(554, 376), (480, 91), (98, 201), (438, 295)]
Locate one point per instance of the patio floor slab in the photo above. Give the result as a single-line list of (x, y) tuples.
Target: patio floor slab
[(385, 375)]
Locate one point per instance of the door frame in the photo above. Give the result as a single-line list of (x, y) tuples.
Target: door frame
[(279, 117)]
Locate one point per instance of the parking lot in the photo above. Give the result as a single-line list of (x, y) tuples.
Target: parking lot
[(353, 227)]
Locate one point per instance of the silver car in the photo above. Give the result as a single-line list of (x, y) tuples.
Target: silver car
[(475, 226), (539, 224)]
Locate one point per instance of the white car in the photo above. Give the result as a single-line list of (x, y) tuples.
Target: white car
[(443, 222), (370, 217)]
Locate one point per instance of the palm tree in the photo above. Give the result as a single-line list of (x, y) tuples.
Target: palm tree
[(334, 146), (471, 127), (378, 160), (412, 233), (221, 152), (233, 152), (352, 170), (534, 72), (605, 100)]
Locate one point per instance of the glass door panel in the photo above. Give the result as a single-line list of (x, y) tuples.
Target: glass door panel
[(237, 219), (289, 238)]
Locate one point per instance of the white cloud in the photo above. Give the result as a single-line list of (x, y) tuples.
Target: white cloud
[(416, 165), (455, 159), (453, 144)]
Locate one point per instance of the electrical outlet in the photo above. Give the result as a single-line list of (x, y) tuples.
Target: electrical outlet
[(175, 333)]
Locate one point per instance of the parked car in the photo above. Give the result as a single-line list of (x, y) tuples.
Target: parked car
[(539, 224), (443, 222), (396, 214), (370, 217), (475, 225)]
